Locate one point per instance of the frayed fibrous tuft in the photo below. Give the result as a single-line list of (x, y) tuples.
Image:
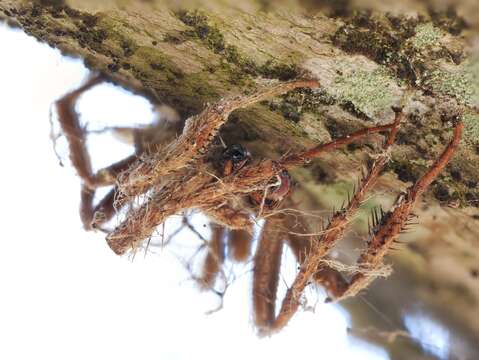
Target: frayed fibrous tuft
[(164, 179)]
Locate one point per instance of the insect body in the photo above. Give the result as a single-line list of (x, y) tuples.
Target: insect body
[(234, 158), (179, 175)]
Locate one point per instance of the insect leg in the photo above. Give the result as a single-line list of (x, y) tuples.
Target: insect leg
[(392, 223)]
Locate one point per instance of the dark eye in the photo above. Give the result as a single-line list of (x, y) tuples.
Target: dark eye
[(236, 153)]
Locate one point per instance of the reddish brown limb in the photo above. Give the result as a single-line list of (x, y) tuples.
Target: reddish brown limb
[(392, 223), (197, 135), (86, 206), (94, 216), (304, 157), (239, 244), (202, 191), (337, 225), (267, 263), (74, 133), (272, 196), (254, 175), (214, 259), (80, 158), (332, 280), (332, 233)]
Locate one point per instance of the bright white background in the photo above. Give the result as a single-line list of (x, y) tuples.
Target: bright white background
[(64, 294)]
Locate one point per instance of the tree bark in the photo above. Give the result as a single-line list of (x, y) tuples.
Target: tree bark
[(367, 61)]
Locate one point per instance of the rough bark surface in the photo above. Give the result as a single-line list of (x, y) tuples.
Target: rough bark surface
[(185, 54)]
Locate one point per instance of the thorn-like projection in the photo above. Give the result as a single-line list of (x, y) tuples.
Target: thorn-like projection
[(183, 171)]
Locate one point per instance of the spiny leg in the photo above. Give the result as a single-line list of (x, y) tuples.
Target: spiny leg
[(195, 189), (201, 191), (333, 232), (198, 133), (339, 221), (392, 223), (305, 156), (255, 175)]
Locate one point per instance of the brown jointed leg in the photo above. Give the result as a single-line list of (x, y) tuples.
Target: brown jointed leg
[(336, 227), (86, 206), (304, 157), (76, 137), (75, 133), (388, 228), (239, 244), (267, 263), (204, 193), (198, 133), (214, 259)]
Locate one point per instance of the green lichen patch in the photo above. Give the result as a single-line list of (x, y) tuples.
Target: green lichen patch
[(368, 92), (315, 129), (186, 92), (471, 129), (57, 23), (411, 48), (461, 81), (426, 35)]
